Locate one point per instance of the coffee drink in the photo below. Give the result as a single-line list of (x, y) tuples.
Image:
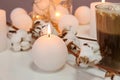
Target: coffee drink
[(108, 33)]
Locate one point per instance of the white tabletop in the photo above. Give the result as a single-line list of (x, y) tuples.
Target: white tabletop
[(19, 66)]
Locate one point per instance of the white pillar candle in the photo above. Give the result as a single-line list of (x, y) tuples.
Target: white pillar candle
[(93, 18), (49, 52), (2, 17), (3, 30)]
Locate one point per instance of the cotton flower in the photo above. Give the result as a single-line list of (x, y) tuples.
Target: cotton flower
[(25, 45), (89, 54), (16, 47), (71, 37), (15, 38), (21, 40)]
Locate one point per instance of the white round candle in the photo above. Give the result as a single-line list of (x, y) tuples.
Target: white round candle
[(82, 13), (17, 11), (22, 21), (49, 53)]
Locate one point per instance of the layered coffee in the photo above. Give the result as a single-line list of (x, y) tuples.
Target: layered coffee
[(108, 33)]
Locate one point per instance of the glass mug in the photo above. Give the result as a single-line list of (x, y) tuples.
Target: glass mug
[(108, 33)]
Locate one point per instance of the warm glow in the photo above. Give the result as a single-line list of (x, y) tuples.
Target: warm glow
[(49, 30), (57, 14), (103, 1), (37, 16)]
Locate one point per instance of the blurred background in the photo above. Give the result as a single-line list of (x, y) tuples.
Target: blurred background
[(8, 5)]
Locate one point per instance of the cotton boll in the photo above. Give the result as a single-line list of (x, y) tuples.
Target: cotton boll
[(22, 21), (70, 36), (83, 15), (25, 45), (86, 51), (28, 38), (17, 11), (15, 38), (22, 33), (16, 47), (96, 58), (89, 54), (25, 48), (94, 46), (68, 21)]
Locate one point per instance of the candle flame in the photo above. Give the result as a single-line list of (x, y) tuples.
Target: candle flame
[(103, 1), (37, 16), (57, 14), (49, 30)]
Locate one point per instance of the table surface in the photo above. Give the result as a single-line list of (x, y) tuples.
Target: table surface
[(20, 66)]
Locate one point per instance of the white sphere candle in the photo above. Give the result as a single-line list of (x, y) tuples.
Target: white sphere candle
[(22, 21), (49, 53), (83, 14), (17, 11)]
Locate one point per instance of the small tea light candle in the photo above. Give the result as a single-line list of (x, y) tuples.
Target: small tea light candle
[(49, 52), (93, 17)]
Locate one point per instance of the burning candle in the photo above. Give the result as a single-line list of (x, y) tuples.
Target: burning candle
[(49, 52), (93, 18), (58, 12)]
